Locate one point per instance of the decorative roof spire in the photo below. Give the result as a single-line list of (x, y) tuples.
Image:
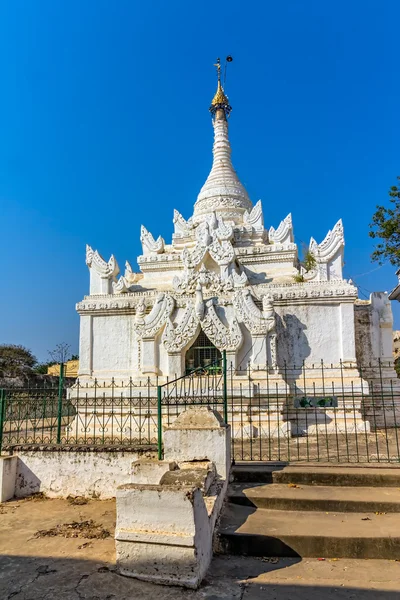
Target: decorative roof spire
[(222, 192), (220, 100)]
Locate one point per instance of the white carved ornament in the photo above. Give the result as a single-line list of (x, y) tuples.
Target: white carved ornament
[(208, 279), (330, 246), (106, 270), (224, 338), (182, 227), (213, 236), (257, 322), (284, 233), (149, 244), (125, 282), (255, 217), (150, 325), (175, 338)]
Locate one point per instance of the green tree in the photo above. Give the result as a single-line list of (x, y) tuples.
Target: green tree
[(385, 226), (15, 360), (41, 368)]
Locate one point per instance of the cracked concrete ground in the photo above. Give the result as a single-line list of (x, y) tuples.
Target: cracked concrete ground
[(72, 568)]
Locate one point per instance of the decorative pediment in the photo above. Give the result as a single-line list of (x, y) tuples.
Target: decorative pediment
[(213, 236), (284, 233), (222, 252), (224, 337), (178, 335), (209, 280), (106, 270), (255, 217), (149, 244), (151, 324), (191, 258), (257, 321)]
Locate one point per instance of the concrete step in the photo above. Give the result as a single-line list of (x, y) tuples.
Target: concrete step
[(275, 496), (315, 474), (247, 531)]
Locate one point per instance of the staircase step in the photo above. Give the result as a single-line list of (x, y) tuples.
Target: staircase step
[(314, 474), (275, 496), (248, 531)]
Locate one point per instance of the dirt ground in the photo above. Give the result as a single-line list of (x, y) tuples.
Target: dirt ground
[(57, 549)]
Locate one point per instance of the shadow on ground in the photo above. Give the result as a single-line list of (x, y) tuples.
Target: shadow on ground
[(45, 578), (44, 555)]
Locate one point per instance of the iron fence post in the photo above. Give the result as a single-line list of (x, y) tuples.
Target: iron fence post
[(159, 423), (60, 399), (2, 413), (225, 387)]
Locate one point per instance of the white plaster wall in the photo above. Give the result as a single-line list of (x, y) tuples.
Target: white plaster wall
[(113, 344), (60, 473), (309, 332)]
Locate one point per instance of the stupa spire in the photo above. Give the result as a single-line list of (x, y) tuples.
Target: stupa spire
[(222, 192), (220, 100)]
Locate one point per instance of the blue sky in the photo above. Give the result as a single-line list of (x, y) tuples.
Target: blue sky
[(104, 125)]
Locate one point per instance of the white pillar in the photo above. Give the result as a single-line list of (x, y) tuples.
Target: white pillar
[(86, 346), (149, 358), (8, 475), (347, 350), (175, 364), (259, 358)]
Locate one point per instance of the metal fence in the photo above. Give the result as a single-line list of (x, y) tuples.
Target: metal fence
[(113, 415), (317, 412)]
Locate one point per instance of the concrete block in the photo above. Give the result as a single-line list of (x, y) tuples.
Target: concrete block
[(201, 478), (151, 471), (8, 475), (199, 434), (163, 534)]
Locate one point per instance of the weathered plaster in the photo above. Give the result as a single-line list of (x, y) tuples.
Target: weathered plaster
[(59, 474)]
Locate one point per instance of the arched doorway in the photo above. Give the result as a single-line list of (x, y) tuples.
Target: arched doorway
[(201, 354)]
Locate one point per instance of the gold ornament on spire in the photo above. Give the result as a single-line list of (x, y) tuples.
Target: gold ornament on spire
[(220, 100)]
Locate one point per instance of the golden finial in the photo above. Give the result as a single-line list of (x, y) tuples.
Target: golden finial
[(220, 100)]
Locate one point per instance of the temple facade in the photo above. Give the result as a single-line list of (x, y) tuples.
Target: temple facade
[(228, 282)]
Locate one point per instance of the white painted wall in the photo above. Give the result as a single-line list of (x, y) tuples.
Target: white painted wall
[(113, 343), (59, 473), (309, 332)]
